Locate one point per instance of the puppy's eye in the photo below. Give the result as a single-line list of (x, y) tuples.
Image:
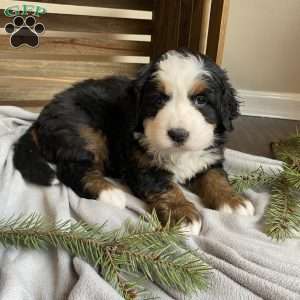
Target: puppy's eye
[(199, 100), (162, 98)]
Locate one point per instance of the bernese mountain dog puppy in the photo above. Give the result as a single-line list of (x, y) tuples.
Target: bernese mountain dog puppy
[(163, 129)]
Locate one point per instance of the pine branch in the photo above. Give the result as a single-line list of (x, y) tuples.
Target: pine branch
[(253, 179), (148, 248), (283, 213), (288, 150), (282, 217), (292, 175)]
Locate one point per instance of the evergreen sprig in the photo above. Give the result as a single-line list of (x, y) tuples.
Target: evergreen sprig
[(282, 216), (147, 248), (257, 178), (288, 150), (292, 176)]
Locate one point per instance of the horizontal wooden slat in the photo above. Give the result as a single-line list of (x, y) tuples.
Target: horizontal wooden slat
[(77, 46), (24, 80), (35, 109), (124, 4), (64, 22), (28, 92), (25, 104), (94, 36), (63, 69), (52, 8), (75, 58)]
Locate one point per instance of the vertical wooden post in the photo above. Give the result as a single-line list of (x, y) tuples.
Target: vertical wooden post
[(176, 23), (216, 30), (196, 25), (166, 14)]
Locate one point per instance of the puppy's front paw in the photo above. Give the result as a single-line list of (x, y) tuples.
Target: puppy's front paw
[(193, 228), (238, 205), (184, 211), (114, 197)]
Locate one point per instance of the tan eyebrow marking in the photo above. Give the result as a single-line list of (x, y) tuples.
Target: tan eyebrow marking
[(198, 87), (164, 87)]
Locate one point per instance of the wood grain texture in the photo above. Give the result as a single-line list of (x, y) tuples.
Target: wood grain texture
[(62, 70), (166, 16), (205, 14), (217, 29), (34, 105), (75, 58), (77, 46), (254, 134), (35, 109), (27, 80), (28, 92), (196, 25), (123, 4), (72, 23), (190, 24), (176, 23), (185, 22)]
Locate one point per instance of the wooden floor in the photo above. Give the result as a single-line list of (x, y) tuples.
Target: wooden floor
[(254, 134)]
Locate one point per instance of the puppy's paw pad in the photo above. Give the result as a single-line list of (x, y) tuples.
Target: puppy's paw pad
[(245, 208), (114, 197), (193, 228)]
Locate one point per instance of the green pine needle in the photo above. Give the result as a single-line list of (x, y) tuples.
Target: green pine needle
[(282, 217), (253, 179), (292, 175), (288, 150), (147, 248)]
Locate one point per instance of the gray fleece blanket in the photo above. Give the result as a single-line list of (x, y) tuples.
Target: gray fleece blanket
[(246, 263)]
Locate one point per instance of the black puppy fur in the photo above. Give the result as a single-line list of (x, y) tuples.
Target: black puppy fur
[(91, 130)]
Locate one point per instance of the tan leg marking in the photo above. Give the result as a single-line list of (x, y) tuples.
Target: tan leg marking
[(173, 204), (34, 137), (96, 143), (94, 182), (103, 190), (142, 159), (216, 192), (170, 203)]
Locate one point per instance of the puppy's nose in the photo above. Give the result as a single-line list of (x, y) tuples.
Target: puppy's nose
[(178, 135)]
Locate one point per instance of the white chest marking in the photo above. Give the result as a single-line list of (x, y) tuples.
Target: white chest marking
[(185, 165)]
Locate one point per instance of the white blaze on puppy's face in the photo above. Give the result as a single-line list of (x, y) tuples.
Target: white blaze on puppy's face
[(178, 75)]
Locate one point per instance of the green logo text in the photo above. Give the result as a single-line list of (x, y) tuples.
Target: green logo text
[(23, 10)]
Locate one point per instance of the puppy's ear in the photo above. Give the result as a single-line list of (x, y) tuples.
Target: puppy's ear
[(227, 101), (142, 76), (229, 106), (132, 104)]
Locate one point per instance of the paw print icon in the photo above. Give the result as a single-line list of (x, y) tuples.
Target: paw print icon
[(24, 31)]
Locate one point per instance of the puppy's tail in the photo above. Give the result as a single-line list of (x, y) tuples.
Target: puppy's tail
[(29, 161)]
